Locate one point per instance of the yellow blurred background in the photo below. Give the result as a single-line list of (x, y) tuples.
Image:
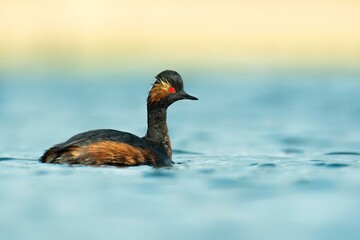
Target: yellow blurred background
[(115, 35)]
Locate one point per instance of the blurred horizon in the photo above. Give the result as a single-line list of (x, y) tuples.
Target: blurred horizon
[(111, 36)]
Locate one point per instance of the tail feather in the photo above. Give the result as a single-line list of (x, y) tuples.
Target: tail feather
[(59, 154), (50, 155)]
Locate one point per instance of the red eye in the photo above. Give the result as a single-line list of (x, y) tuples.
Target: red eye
[(172, 90)]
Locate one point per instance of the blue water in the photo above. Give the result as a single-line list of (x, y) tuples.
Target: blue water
[(256, 159)]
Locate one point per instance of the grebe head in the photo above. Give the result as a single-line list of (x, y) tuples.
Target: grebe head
[(167, 89)]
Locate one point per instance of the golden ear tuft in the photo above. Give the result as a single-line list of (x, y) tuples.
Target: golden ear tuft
[(159, 90)]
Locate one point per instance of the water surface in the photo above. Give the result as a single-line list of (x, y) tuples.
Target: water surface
[(255, 160)]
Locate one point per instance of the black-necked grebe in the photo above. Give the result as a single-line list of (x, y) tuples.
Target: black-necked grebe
[(116, 148)]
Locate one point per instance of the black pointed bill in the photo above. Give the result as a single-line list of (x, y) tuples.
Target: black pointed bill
[(187, 96)]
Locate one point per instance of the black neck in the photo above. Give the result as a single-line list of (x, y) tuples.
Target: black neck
[(157, 128)]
